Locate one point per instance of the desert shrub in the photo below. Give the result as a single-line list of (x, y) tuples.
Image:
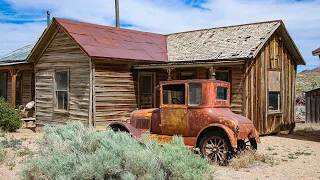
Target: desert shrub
[(9, 118), (248, 157), (75, 152)]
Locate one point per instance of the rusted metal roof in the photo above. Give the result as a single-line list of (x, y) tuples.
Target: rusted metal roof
[(18, 55), (109, 42)]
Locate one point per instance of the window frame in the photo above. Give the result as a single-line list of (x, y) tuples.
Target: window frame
[(189, 94), (279, 101), (227, 99), (170, 96), (223, 71), (61, 69)]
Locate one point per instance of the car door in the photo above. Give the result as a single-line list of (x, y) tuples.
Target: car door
[(173, 109)]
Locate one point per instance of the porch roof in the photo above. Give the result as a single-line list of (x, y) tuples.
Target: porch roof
[(191, 64)]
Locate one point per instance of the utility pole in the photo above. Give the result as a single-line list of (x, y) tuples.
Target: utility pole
[(117, 13)]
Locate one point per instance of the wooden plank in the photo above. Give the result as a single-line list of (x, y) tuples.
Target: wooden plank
[(13, 87)]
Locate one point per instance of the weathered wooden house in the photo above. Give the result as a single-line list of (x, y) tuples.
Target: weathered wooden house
[(313, 106), (316, 52), (97, 74), (16, 77)]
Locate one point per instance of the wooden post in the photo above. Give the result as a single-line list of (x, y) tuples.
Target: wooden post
[(13, 87), (169, 70), (212, 72)]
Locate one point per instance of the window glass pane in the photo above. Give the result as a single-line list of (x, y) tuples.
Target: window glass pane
[(195, 93), (146, 84), (62, 100), (274, 100), (3, 85), (174, 94), (222, 93), (62, 80), (222, 76)]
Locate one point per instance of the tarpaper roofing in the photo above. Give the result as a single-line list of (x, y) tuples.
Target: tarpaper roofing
[(18, 55), (110, 42)]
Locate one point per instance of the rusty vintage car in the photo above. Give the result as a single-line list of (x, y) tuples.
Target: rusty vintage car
[(199, 111)]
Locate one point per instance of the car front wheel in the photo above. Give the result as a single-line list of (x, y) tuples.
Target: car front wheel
[(215, 147)]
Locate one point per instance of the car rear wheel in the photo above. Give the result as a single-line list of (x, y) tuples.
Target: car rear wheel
[(215, 147)]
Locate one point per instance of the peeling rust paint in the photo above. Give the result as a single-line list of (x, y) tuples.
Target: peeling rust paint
[(190, 120)]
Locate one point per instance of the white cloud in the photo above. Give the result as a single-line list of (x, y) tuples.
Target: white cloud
[(301, 18)]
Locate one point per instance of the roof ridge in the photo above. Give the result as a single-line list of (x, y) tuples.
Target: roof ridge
[(220, 27), (111, 27)]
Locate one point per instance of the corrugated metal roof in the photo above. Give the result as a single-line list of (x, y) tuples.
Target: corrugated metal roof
[(110, 42), (18, 55), (233, 42)]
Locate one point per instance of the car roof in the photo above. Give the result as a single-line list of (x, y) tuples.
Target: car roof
[(191, 81)]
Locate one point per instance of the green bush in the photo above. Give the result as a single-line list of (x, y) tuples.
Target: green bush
[(75, 152), (9, 118)]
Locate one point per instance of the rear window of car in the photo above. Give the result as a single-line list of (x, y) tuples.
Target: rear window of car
[(222, 93)]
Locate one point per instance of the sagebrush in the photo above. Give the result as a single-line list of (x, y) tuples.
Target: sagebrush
[(9, 118), (76, 152)]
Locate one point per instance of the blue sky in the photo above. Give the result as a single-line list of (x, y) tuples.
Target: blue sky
[(23, 21)]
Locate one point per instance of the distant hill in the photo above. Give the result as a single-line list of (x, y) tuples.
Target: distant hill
[(312, 72), (307, 80)]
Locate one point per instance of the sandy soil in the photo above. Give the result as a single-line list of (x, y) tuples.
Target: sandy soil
[(10, 168), (292, 156)]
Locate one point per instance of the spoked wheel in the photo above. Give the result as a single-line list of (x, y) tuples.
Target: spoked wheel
[(215, 148)]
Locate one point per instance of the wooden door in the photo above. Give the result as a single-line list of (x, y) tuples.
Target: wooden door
[(146, 90), (173, 110)]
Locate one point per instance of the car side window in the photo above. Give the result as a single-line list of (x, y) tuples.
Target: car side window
[(222, 93), (195, 94), (173, 94)]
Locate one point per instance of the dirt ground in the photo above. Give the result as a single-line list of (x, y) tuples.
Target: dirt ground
[(289, 156)]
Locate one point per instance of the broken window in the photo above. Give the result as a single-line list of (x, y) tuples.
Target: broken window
[(274, 101), (3, 85), (173, 94), (62, 89), (222, 93), (195, 94)]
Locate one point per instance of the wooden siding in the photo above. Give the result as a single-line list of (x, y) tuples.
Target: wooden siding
[(26, 94), (62, 52), (259, 80), (115, 94), (313, 106)]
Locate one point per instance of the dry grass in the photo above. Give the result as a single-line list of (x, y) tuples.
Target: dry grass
[(248, 157)]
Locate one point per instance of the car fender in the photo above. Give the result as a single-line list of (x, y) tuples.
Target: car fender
[(132, 130), (227, 130)]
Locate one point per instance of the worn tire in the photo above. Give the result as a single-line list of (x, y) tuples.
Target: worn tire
[(253, 143), (212, 149)]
